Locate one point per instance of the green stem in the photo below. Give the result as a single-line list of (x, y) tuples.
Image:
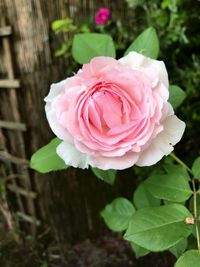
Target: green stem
[(181, 163), (194, 196), (196, 214)]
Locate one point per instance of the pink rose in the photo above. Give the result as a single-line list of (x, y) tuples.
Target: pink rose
[(113, 114), (102, 16)]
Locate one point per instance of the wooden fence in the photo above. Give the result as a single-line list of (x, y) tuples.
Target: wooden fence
[(15, 168), (68, 202)]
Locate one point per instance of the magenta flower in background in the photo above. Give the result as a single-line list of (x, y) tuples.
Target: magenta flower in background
[(102, 16)]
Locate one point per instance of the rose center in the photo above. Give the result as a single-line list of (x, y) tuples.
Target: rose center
[(105, 110)]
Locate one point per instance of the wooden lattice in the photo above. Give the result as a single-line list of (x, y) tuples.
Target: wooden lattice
[(14, 166)]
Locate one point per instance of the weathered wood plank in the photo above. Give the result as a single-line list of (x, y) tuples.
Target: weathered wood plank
[(21, 191), (6, 83), (13, 176), (7, 157), (5, 31), (11, 125), (16, 138), (63, 195), (28, 218)]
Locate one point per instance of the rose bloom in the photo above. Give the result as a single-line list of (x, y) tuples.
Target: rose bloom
[(102, 16), (113, 114)]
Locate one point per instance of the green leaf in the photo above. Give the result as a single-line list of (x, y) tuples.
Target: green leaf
[(175, 168), (191, 209), (85, 46), (190, 258), (191, 204), (179, 248), (63, 25), (176, 96), (117, 214), (146, 43), (63, 50), (196, 168), (159, 228), (173, 186), (84, 28), (2, 189), (192, 242), (167, 202), (107, 176), (45, 159), (139, 251), (142, 198)]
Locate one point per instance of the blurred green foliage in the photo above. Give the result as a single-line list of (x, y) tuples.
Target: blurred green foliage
[(66, 25), (63, 25), (177, 24)]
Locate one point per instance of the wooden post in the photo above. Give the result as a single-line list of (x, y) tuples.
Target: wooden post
[(69, 201), (15, 137)]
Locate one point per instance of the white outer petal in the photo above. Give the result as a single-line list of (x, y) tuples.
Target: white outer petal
[(116, 163), (154, 69), (56, 90), (72, 156), (58, 130), (77, 159), (163, 143)]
